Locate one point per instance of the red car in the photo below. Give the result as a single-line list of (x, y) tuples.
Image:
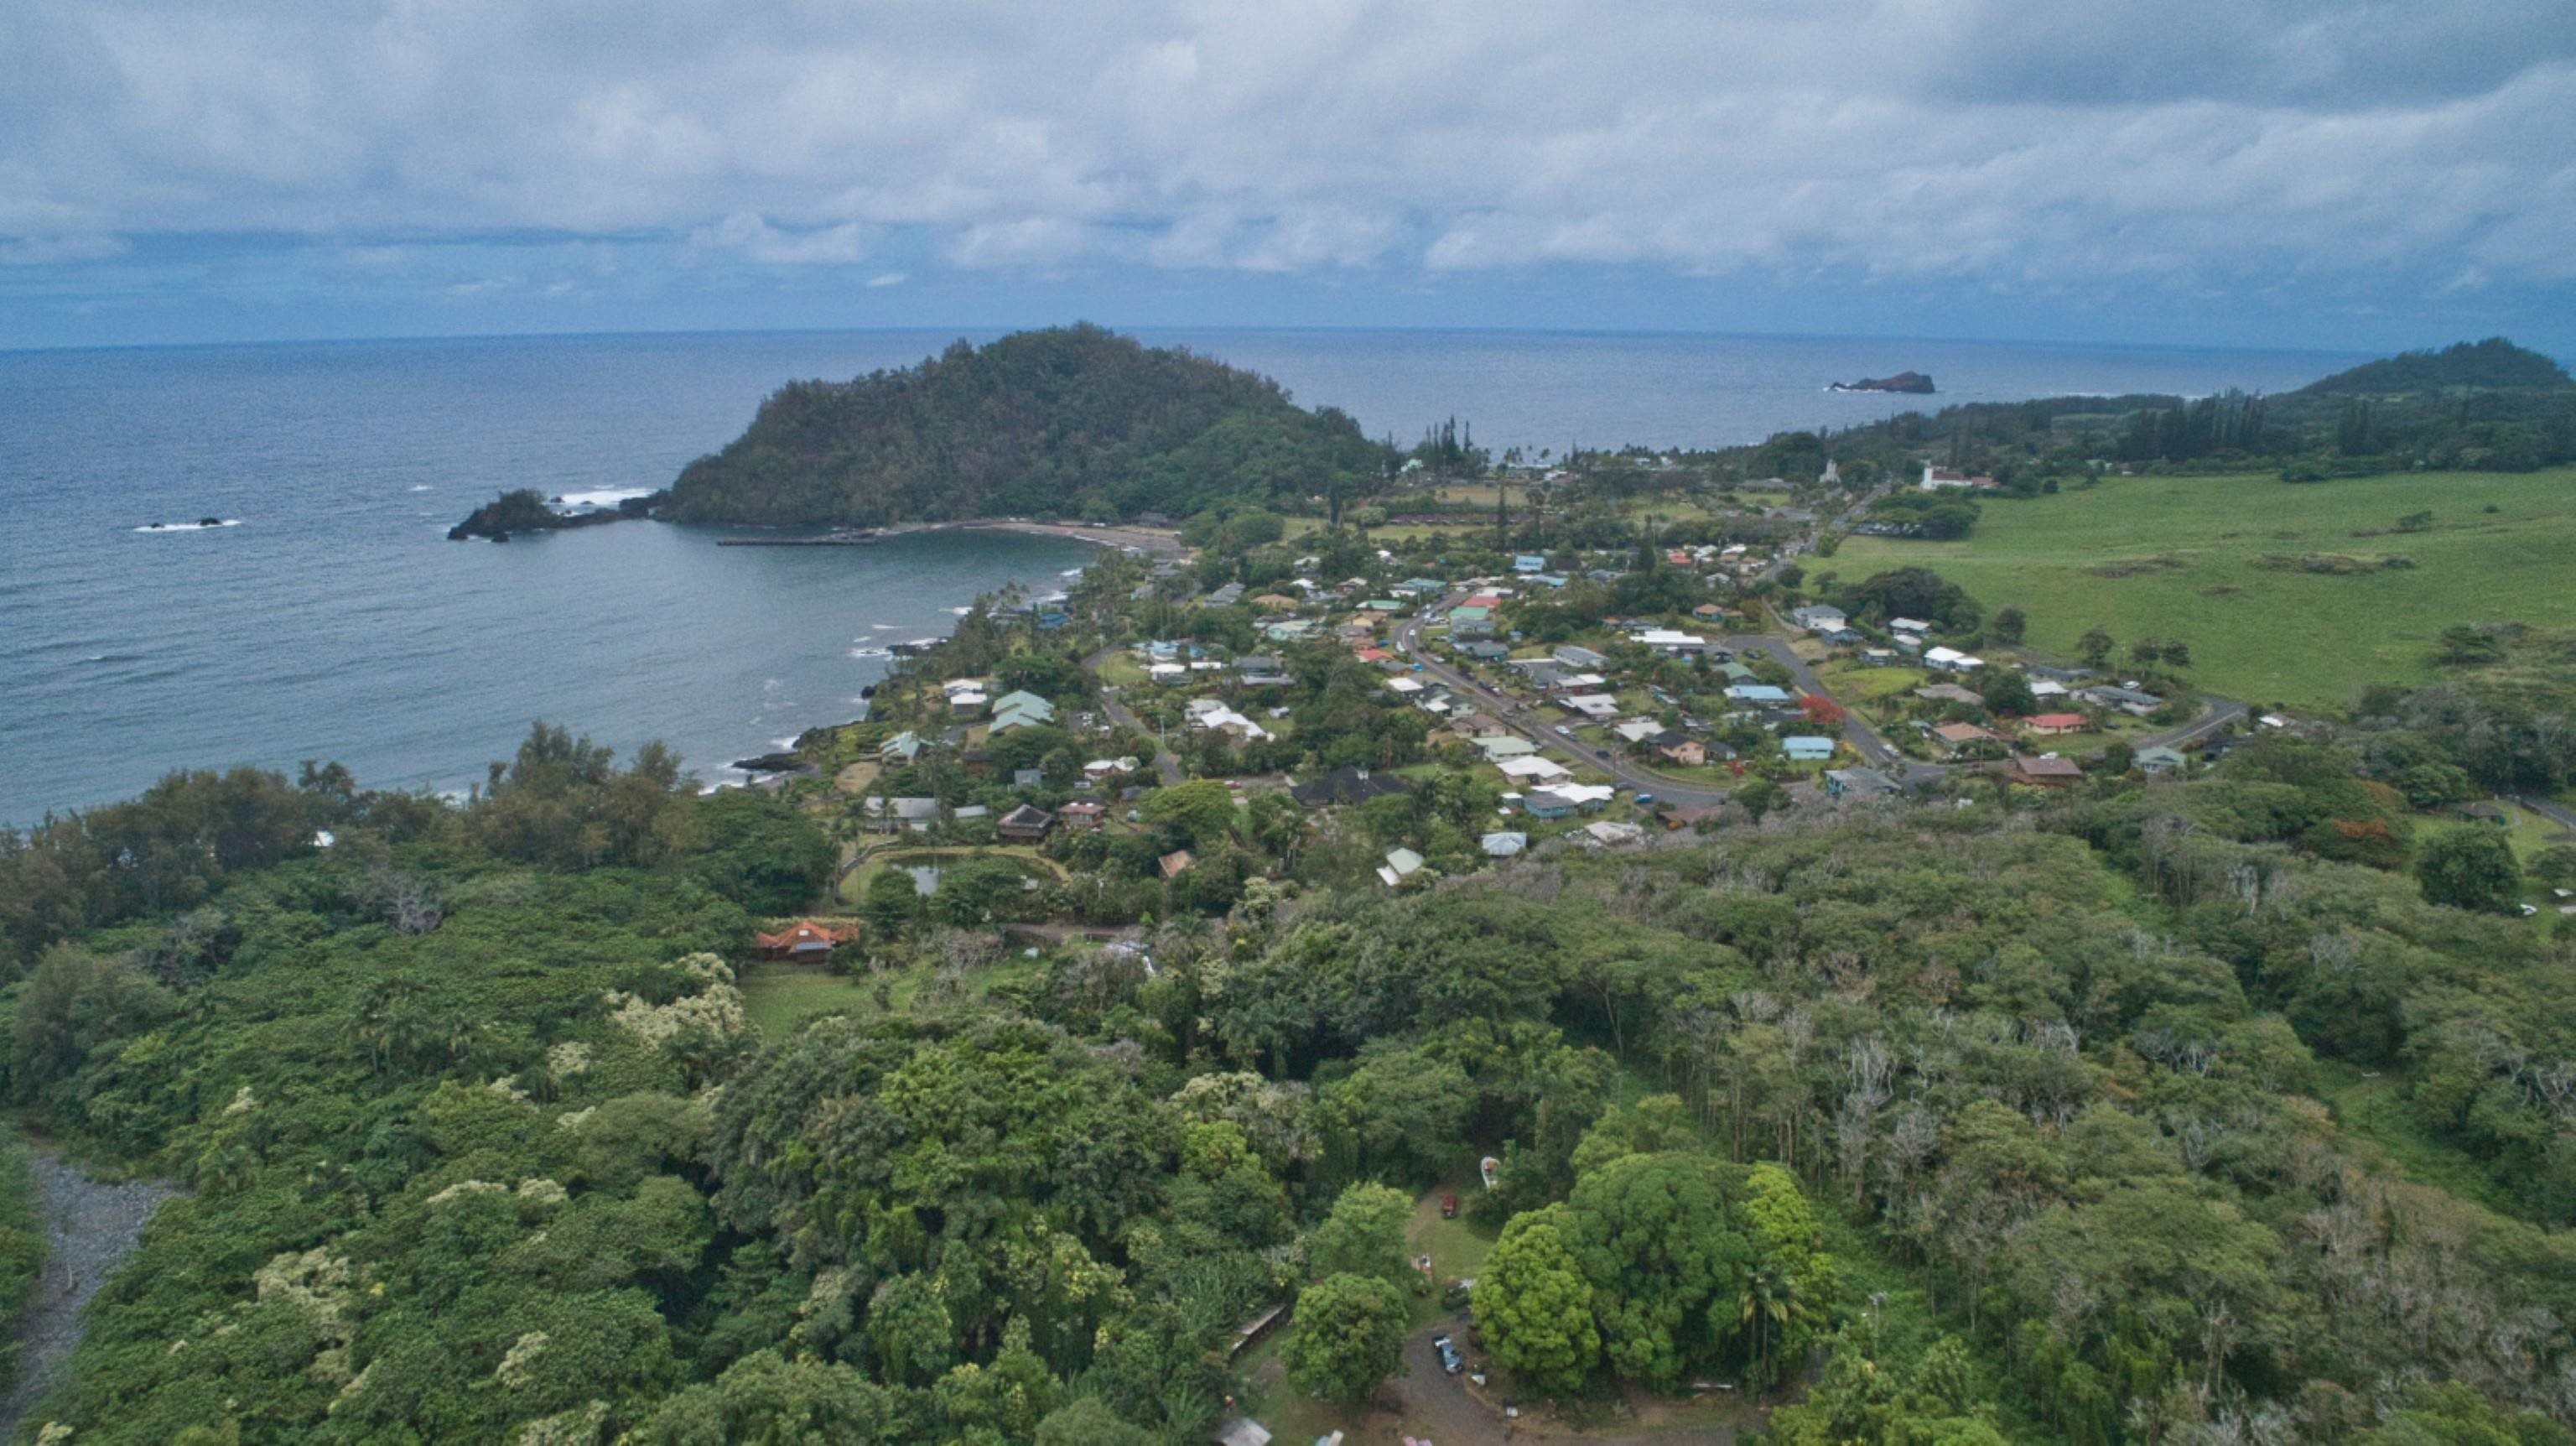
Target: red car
[(1448, 1207)]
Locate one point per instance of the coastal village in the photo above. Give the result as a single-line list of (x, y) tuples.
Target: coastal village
[(1440, 707)]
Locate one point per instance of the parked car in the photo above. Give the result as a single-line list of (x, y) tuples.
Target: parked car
[(1600, 752), (1644, 798), (1450, 1360), (1448, 1207)]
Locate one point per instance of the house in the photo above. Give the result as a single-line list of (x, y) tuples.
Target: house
[(1665, 640), (804, 941), (2157, 762), (1682, 818), (1955, 736), (2126, 700), (1347, 785), (1948, 693), (1486, 652), (1806, 748), (1225, 597), (1858, 784), (1951, 660), (1021, 709), (885, 815), (1580, 659), (1686, 752), (965, 700), (1405, 687), (1526, 564), (1599, 707), (1937, 479), (1100, 769), (2045, 772), (1175, 864), (1025, 824), (1401, 864), (1028, 778), (1242, 1431), (1271, 602), (1908, 625), (903, 747), (1544, 803), (1756, 694), (1637, 730), (1532, 767), (2051, 725), (1256, 664), (1422, 587), (1503, 845), (1476, 725), (2487, 813), (1609, 835), (1734, 672), (1083, 815), (1880, 657), (1506, 745), (1166, 672), (1817, 618), (1585, 796)]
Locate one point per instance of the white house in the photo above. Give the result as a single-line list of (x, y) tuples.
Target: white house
[(1951, 660), (1532, 767), (1600, 707)]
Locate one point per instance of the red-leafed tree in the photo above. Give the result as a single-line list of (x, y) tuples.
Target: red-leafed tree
[(1820, 709)]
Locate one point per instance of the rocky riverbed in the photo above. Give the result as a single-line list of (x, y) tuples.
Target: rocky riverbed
[(90, 1227)]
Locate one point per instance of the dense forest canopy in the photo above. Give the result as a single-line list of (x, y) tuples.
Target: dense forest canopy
[(1050, 423)]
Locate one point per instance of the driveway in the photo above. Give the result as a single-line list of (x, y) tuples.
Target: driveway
[(1445, 1410)]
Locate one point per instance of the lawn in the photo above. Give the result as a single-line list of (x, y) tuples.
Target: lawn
[(778, 996), (2177, 558)]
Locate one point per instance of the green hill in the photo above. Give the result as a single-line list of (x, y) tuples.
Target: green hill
[(2492, 364), (1067, 420)]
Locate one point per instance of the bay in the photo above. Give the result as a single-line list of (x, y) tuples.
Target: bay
[(335, 621)]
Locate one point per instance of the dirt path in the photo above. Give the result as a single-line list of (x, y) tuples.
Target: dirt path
[(90, 1227), (1427, 1403)]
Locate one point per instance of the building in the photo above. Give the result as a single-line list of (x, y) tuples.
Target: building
[(1908, 625), (1804, 748), (1532, 768), (805, 941), (1503, 845), (1028, 778), (1858, 784), (1817, 618), (1345, 786), (1951, 660), (2126, 700), (1638, 730), (1174, 864), (1476, 725), (1665, 640), (1021, 709), (1938, 479), (1027, 823), (1083, 815), (2157, 762), (1610, 835), (902, 748), (1955, 736), (1684, 752), (1756, 694), (1486, 651), (1527, 564), (2051, 725), (2045, 772), (1501, 746), (1599, 707), (1580, 659), (1400, 865)]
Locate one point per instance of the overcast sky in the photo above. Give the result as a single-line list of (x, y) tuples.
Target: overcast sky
[(2328, 173)]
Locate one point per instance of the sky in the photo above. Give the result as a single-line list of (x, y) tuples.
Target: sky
[(2335, 174)]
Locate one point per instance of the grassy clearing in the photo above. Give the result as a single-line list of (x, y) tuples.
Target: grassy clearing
[(2178, 557), (778, 996), (2372, 1107)]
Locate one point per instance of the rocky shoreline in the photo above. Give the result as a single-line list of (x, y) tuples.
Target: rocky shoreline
[(91, 1225)]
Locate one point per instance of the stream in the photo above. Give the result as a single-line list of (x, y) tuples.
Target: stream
[(90, 1227)]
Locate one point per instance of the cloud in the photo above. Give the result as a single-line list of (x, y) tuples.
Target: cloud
[(889, 278), (756, 240), (60, 250), (2013, 144)]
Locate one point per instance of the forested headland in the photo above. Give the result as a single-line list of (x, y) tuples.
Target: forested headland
[(1071, 421)]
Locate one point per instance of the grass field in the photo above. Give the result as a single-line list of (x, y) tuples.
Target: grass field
[(780, 996), (2177, 557)]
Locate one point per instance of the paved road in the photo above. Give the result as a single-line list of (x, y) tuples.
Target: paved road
[(2557, 813), (1166, 763), (1542, 731), (2222, 711)]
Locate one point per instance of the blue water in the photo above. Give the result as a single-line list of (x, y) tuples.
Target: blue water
[(337, 622)]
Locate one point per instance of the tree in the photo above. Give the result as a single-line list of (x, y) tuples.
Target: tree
[(1348, 1337), (1201, 811), (2007, 691), (1653, 1237), (1086, 1421), (2095, 645), (2008, 624), (763, 1397), (2470, 868), (1535, 1307), (1759, 796), (1364, 1235)]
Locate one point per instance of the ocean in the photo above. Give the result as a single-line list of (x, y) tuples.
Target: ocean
[(335, 621)]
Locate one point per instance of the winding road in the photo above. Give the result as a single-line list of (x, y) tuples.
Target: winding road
[(1167, 764)]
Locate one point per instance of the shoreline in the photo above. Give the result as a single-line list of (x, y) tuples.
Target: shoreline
[(1159, 541)]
